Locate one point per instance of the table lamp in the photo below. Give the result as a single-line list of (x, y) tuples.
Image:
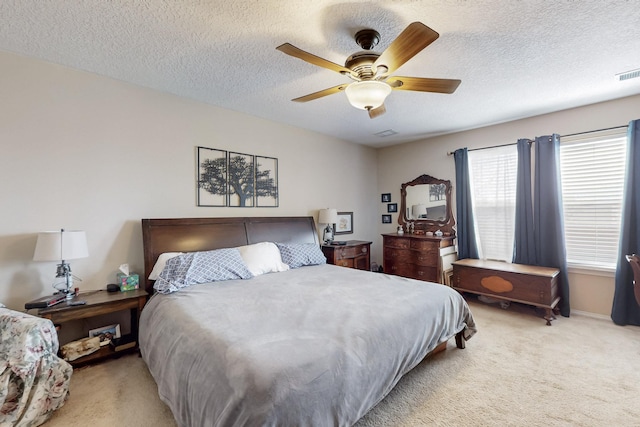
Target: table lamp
[(329, 217), (418, 210), (62, 246)]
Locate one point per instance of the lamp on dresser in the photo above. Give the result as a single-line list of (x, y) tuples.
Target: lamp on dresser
[(329, 217), (418, 211), (62, 246)]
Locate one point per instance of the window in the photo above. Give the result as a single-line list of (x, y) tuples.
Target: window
[(592, 170), (493, 177)]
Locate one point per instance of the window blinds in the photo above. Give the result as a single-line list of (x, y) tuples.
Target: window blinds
[(592, 170)]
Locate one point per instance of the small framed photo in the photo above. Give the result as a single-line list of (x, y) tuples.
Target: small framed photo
[(392, 207), (344, 224), (106, 333), (386, 219), (385, 197)]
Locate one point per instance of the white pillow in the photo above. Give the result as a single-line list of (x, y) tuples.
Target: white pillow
[(262, 258), (162, 260)]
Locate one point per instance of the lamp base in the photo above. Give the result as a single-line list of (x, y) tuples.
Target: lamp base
[(64, 270), (327, 235)]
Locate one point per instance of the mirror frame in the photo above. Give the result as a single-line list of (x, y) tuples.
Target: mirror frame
[(424, 225)]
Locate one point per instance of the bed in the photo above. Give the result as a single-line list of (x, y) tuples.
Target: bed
[(318, 345)]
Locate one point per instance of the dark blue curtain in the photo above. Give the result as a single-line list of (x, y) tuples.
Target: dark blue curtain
[(625, 309), (524, 251), (467, 246), (547, 214)]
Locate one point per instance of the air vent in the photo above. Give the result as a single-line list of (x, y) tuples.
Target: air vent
[(628, 75), (386, 133)]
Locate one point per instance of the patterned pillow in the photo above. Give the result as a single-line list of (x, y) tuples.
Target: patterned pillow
[(301, 254), (201, 267)]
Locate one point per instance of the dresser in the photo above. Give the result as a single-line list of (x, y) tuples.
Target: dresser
[(416, 256), (537, 286), (353, 254)]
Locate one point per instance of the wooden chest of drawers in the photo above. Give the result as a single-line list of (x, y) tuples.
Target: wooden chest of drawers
[(414, 256), (527, 284), (354, 254)]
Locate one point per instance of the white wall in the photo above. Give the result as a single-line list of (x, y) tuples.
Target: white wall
[(81, 151), (85, 152), (403, 163)]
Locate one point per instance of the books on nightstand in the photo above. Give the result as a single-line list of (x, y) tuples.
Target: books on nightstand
[(46, 302), (123, 343)]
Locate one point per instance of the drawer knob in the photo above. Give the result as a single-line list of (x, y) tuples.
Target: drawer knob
[(364, 249)]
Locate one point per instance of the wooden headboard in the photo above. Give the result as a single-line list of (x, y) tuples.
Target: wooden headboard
[(202, 234)]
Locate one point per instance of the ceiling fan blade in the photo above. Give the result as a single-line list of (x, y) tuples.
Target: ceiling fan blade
[(290, 49), (320, 94), (423, 84), (412, 40), (375, 112)]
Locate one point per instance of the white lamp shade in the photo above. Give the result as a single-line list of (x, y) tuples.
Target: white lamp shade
[(328, 216), (417, 210), (61, 245), (367, 94)]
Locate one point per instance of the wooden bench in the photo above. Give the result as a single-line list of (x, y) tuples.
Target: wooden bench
[(537, 286)]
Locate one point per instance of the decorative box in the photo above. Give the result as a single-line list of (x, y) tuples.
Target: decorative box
[(128, 282)]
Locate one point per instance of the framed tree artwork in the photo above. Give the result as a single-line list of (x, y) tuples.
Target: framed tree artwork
[(241, 180), (266, 182), (212, 177)]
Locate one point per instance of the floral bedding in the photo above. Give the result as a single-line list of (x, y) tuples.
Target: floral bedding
[(34, 381)]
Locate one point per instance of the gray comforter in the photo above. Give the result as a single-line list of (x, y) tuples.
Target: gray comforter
[(316, 346)]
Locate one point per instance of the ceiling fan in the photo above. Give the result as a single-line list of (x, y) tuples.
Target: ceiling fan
[(372, 71)]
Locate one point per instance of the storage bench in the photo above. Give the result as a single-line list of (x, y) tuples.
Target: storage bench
[(537, 286)]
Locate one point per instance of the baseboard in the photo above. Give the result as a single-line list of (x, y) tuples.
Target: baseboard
[(592, 315)]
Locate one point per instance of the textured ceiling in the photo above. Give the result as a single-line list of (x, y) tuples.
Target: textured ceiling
[(515, 58)]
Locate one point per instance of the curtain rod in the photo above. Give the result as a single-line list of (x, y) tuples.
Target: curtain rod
[(450, 153)]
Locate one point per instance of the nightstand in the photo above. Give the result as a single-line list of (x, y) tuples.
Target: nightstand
[(98, 303), (353, 254)]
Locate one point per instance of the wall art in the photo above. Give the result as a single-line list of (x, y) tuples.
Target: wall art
[(236, 179), (212, 177), (266, 182), (344, 224), (241, 180)]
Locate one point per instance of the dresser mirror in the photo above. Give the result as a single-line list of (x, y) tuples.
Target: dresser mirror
[(426, 202)]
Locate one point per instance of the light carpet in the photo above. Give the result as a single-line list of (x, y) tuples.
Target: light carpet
[(515, 371)]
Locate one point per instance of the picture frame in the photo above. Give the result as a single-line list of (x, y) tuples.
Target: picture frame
[(385, 197), (344, 223), (392, 207), (241, 179), (386, 219), (266, 182), (437, 192), (106, 333), (211, 180), (448, 277)]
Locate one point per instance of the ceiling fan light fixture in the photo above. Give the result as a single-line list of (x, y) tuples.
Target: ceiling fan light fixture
[(367, 94)]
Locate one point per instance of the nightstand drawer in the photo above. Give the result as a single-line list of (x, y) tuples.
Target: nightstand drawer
[(353, 254), (343, 253), (345, 262)]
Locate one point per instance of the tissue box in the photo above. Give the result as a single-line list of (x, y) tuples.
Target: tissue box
[(128, 282)]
